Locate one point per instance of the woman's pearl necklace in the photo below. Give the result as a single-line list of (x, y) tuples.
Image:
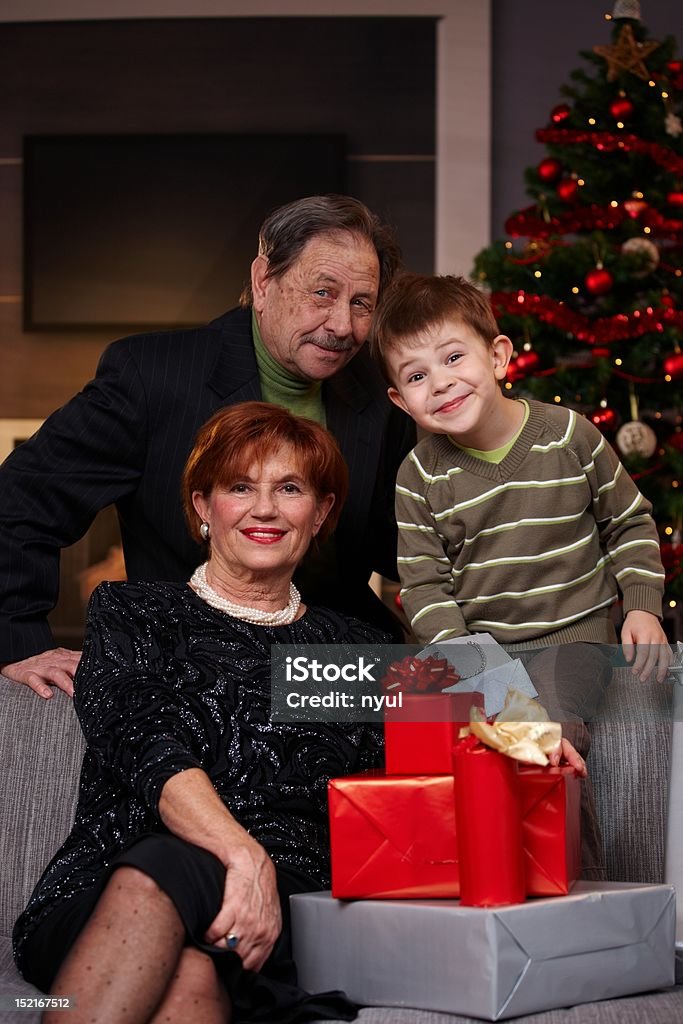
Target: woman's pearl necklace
[(257, 616)]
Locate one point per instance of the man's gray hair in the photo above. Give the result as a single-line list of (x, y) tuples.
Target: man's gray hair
[(286, 231)]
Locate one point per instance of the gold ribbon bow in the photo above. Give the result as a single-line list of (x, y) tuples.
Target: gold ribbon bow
[(522, 730)]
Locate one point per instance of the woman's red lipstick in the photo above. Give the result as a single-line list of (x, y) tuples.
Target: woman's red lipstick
[(263, 534)]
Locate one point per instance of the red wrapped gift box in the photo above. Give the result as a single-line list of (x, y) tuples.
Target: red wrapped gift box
[(420, 735), (393, 837), (550, 804), (488, 820)]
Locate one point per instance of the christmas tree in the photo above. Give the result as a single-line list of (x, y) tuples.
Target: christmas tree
[(589, 282)]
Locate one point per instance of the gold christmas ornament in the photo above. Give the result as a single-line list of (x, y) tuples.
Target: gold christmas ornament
[(644, 247), (636, 438), (627, 55)]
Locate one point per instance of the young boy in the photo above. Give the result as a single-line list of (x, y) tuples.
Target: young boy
[(515, 518)]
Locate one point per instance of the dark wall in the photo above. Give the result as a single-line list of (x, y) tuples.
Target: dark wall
[(536, 45), (372, 79)]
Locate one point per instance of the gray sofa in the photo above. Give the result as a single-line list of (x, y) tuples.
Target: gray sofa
[(41, 749)]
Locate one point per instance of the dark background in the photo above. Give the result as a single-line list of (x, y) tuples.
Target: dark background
[(370, 79)]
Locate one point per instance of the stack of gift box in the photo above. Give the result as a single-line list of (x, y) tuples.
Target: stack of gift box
[(397, 834), (432, 864)]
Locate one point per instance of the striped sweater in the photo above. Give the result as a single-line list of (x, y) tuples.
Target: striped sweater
[(534, 547)]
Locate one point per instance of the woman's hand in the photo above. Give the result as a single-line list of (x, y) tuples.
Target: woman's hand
[(570, 754), (251, 906), (191, 808)]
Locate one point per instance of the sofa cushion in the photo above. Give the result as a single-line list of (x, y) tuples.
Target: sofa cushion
[(629, 765), (40, 760), (42, 750)]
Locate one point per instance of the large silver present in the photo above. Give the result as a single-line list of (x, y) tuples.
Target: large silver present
[(606, 939)]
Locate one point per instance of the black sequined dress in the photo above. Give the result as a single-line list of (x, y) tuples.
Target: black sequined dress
[(168, 683)]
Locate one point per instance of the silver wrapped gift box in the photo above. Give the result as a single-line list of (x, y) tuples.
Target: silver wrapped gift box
[(606, 939)]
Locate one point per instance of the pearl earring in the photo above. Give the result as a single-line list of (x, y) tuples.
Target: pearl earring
[(205, 531)]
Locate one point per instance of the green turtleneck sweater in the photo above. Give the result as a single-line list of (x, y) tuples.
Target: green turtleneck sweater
[(303, 398), (279, 386)]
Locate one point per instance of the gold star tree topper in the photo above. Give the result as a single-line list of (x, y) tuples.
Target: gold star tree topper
[(627, 54)]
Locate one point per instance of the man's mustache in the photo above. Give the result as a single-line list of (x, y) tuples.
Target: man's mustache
[(330, 343)]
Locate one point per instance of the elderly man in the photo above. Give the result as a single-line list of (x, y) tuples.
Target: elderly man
[(123, 440)]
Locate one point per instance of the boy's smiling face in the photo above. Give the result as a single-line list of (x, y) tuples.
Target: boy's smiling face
[(447, 379)]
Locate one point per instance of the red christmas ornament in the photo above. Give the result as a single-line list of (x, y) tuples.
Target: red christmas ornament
[(560, 113), (605, 419), (527, 362), (567, 189), (599, 281), (666, 302), (398, 602), (549, 169), (674, 199), (621, 108), (675, 69), (513, 371), (634, 207), (673, 365), (523, 365)]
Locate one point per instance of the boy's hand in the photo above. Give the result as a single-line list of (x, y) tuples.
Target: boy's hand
[(570, 754), (642, 635)]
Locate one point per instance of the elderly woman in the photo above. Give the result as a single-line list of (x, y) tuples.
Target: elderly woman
[(197, 815)]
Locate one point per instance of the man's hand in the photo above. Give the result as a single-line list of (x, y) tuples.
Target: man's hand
[(645, 644), (43, 671)]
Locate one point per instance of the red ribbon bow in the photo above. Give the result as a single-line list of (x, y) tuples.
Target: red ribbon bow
[(420, 675)]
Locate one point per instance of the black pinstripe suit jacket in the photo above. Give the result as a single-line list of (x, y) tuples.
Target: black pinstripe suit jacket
[(124, 440)]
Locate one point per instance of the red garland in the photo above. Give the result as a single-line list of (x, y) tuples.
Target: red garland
[(636, 380), (663, 227), (646, 472), (420, 675), (593, 332), (672, 555), (540, 253), (608, 142), (527, 222), (672, 560)]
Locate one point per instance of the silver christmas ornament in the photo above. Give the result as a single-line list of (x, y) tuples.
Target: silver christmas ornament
[(627, 9), (673, 125)]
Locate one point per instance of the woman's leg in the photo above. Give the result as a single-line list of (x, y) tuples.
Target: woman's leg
[(120, 967), (195, 994)]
